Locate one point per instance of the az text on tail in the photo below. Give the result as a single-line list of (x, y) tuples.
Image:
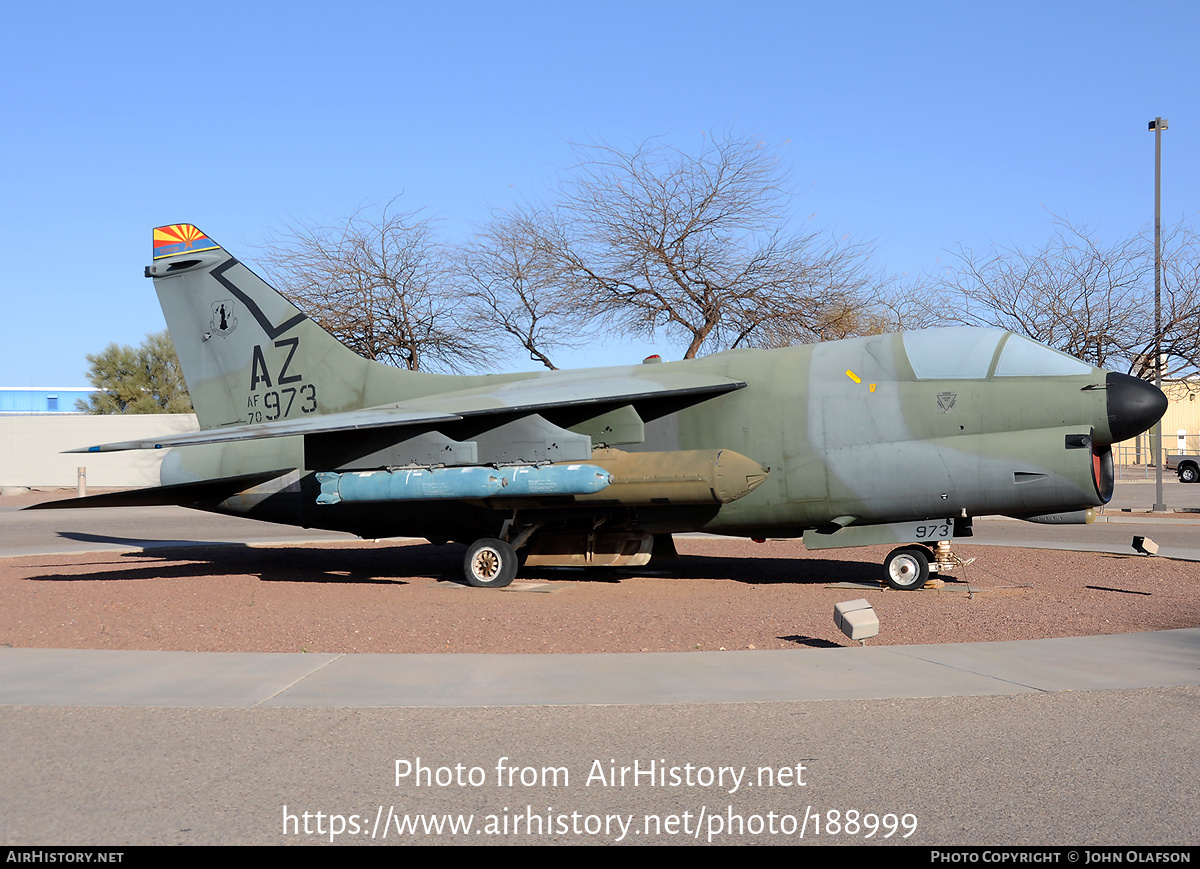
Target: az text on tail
[(251, 356)]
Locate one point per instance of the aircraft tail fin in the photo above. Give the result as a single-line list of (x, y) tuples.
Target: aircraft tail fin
[(247, 353)]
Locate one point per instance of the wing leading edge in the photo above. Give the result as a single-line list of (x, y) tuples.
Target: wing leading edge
[(547, 395)]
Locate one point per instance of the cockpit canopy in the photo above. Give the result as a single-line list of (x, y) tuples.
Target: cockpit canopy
[(970, 353)]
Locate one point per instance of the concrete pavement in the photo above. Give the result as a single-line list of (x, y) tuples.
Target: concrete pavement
[(231, 680)]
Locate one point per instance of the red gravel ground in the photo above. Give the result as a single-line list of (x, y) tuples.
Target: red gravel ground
[(722, 594)]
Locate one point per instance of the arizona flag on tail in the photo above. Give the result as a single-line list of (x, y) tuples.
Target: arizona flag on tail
[(180, 238)]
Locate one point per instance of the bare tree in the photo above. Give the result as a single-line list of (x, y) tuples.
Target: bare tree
[(380, 284), (1180, 304), (908, 302), (1072, 293), (698, 246), (516, 287), (1091, 299)]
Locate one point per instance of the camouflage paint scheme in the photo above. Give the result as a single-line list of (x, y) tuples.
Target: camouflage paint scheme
[(900, 437)]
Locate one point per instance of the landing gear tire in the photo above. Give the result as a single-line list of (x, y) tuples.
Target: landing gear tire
[(490, 563), (1189, 475), (907, 568)]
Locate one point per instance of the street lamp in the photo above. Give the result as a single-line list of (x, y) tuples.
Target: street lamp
[(1157, 126)]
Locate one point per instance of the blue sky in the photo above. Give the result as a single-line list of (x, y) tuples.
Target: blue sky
[(919, 125)]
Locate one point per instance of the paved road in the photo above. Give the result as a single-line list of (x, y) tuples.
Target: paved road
[(42, 532), (1037, 742), (1176, 537)]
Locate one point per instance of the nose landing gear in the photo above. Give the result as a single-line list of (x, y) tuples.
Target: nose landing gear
[(908, 568)]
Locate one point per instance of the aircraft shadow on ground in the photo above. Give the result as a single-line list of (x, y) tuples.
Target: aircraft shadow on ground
[(165, 559), (750, 571), (169, 559)]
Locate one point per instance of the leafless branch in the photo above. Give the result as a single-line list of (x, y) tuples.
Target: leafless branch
[(516, 288), (378, 283), (697, 246)]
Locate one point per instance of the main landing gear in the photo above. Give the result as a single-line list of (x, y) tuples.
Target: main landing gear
[(493, 562), (490, 563)]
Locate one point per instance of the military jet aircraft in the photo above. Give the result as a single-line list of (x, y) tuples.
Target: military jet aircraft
[(900, 438)]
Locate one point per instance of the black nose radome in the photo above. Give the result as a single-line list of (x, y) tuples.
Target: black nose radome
[(1133, 405)]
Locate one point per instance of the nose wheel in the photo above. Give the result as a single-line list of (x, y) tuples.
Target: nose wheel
[(907, 568)]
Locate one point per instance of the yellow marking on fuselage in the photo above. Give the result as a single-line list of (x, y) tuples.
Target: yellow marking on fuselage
[(854, 377)]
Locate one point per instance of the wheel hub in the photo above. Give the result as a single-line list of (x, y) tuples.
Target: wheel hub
[(487, 564)]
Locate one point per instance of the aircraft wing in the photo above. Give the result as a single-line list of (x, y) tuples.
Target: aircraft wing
[(375, 417), (546, 395)]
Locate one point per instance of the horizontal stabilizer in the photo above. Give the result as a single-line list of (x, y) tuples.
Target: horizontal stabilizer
[(157, 496)]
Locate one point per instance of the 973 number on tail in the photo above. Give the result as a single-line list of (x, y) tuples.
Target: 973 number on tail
[(278, 403)]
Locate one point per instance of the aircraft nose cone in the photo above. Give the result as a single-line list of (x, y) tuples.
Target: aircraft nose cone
[(1133, 405)]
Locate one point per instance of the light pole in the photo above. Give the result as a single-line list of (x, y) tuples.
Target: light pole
[(1157, 126)]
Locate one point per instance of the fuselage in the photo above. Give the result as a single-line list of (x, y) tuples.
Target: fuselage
[(939, 423)]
